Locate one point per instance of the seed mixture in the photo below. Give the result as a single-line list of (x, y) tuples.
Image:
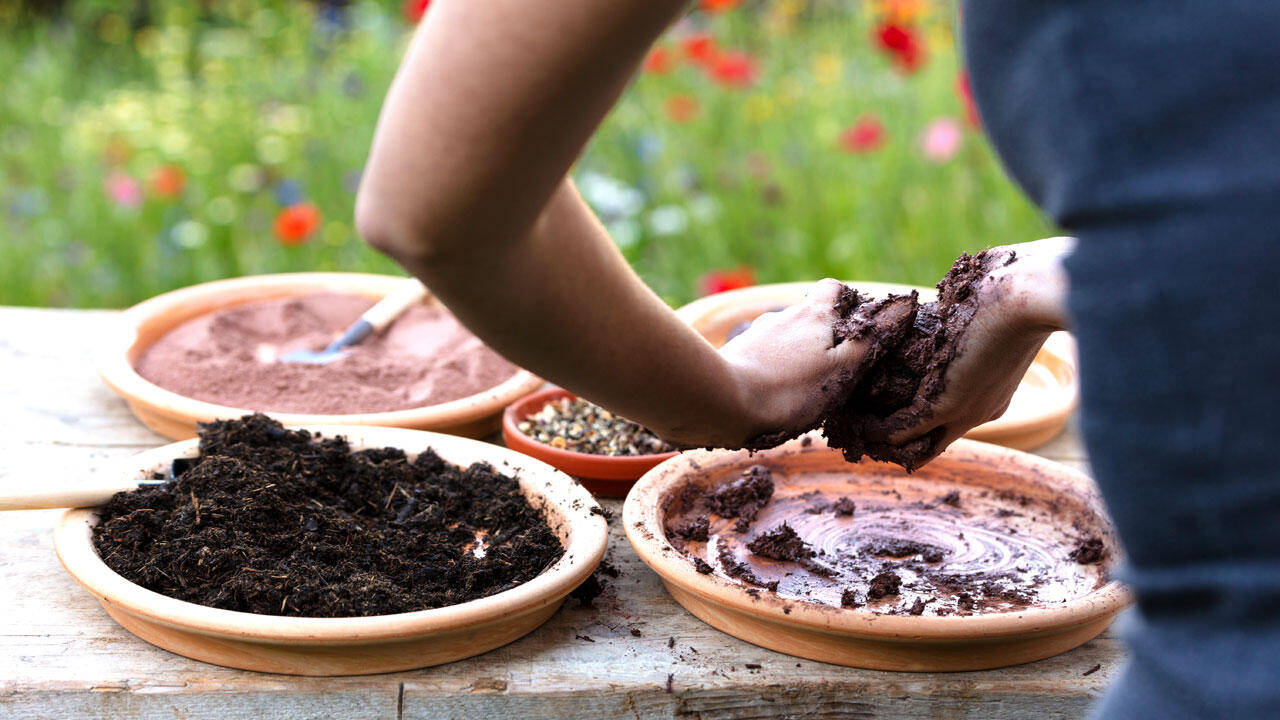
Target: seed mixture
[(579, 426), (281, 522)]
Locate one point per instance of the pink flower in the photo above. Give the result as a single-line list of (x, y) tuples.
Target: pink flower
[(124, 190), (864, 136), (941, 140)]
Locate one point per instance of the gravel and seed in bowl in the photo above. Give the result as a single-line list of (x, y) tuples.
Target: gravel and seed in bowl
[(579, 426)]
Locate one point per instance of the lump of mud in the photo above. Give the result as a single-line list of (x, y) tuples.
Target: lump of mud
[(886, 583), (743, 497), (781, 543), (911, 345), (1089, 551)]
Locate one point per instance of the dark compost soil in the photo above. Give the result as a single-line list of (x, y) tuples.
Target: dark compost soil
[(281, 522), (906, 361)]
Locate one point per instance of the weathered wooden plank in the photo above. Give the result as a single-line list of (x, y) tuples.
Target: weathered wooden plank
[(63, 657)]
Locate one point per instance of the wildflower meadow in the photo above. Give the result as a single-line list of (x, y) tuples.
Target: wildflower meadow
[(148, 146)]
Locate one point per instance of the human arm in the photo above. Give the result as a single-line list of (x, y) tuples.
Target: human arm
[(466, 188)]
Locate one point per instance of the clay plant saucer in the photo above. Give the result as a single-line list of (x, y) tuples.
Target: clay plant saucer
[(358, 645), (175, 416), (1011, 526), (1040, 408), (603, 475)]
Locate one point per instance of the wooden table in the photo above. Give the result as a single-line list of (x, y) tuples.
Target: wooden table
[(63, 657)]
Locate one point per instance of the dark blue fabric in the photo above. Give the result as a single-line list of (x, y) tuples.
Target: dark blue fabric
[(1151, 131)]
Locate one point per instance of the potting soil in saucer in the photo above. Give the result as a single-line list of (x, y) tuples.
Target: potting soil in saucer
[(890, 545), (281, 522), (231, 357)]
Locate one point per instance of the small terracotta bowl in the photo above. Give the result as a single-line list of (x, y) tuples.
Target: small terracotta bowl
[(359, 645), (1039, 410), (175, 416), (792, 621), (603, 475)]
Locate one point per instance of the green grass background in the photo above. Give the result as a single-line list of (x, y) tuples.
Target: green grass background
[(263, 103)]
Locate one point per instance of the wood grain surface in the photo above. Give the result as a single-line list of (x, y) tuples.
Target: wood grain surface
[(63, 657)]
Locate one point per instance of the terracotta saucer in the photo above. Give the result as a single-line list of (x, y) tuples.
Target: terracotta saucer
[(984, 542), (360, 645), (175, 416), (1039, 410), (603, 475)]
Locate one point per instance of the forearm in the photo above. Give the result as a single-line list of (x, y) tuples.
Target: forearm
[(564, 303)]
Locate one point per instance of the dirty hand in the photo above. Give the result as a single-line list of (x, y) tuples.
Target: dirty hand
[(1020, 305), (787, 368)]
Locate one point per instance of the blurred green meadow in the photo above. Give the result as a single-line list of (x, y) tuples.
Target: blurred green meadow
[(146, 146)]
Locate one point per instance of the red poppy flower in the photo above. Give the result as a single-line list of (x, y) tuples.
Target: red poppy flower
[(966, 98), (903, 43), (718, 6), (167, 181), (700, 48), (865, 135), (659, 61), (718, 281), (682, 108), (415, 9), (734, 69), (296, 223)]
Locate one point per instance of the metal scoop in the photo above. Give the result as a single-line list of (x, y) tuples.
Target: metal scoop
[(373, 320)]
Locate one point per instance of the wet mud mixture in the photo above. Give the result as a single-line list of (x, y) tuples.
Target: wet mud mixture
[(231, 357), (282, 522), (890, 545), (911, 346)]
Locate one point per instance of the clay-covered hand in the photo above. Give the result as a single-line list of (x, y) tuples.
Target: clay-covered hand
[(790, 369), (1019, 303)]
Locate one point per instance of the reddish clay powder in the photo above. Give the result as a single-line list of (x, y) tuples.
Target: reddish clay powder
[(230, 357)]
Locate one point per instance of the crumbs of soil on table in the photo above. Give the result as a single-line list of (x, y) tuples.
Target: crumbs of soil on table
[(281, 522)]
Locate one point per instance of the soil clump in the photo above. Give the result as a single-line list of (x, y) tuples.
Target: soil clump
[(283, 522), (911, 345)]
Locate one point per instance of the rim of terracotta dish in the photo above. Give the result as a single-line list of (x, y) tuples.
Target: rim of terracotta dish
[(1060, 347), (585, 537), (117, 370), (599, 467), (643, 523)]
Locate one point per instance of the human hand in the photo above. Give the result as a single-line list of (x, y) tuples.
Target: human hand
[(1019, 303), (789, 367)]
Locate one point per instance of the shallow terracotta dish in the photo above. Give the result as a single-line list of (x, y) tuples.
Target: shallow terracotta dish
[(603, 475), (361, 645), (1039, 410), (1032, 505), (175, 416)]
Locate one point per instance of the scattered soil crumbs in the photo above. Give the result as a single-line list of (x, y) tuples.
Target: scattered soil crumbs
[(1089, 551), (781, 543), (591, 588), (884, 584), (281, 522), (743, 497)]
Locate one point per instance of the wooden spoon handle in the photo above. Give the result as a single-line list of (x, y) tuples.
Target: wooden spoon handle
[(389, 308), (38, 498)]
